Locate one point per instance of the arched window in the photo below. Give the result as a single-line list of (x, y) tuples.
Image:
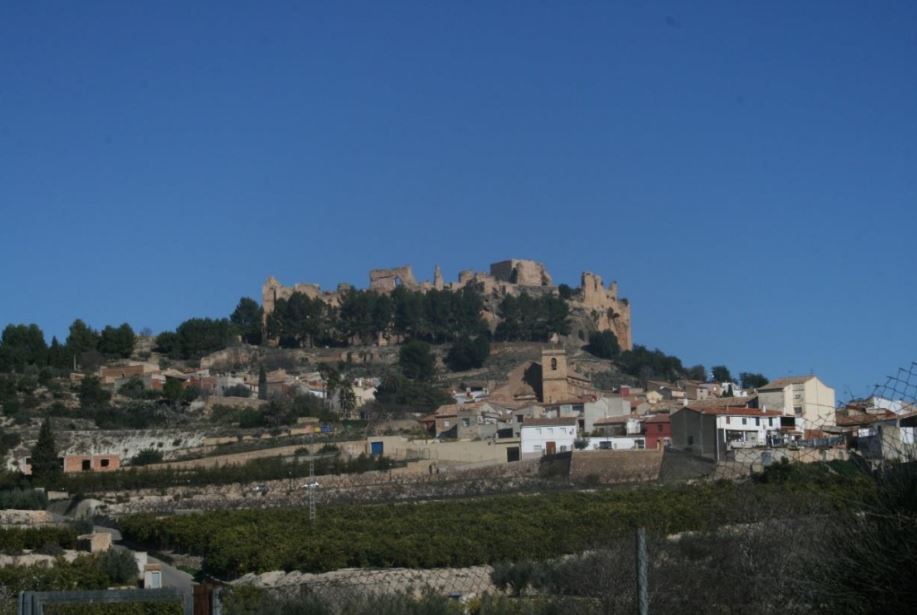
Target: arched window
[(553, 364)]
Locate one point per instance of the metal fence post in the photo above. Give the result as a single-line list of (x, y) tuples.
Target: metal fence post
[(643, 605)]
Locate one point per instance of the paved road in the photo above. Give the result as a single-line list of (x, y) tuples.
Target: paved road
[(172, 576)]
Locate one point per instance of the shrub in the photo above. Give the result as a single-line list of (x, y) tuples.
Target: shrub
[(468, 354), (603, 344), (238, 390), (146, 457), (119, 565)]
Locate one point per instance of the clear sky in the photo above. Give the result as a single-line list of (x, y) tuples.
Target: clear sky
[(747, 171)]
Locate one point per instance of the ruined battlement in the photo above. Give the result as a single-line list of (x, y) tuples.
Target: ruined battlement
[(597, 304)]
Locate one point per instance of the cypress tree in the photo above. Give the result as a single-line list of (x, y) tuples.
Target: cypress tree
[(262, 383), (45, 464)]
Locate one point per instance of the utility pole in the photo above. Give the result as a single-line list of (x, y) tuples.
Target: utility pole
[(643, 603), (312, 484)]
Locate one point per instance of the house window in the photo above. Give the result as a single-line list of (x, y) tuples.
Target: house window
[(757, 422), (744, 421), (86, 466), (445, 423), (466, 423), (104, 463), (553, 364), (771, 422), (798, 410), (659, 427)]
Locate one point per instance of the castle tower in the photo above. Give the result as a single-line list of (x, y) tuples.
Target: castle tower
[(438, 278), (554, 375)]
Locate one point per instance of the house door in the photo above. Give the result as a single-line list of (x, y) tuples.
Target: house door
[(550, 448)]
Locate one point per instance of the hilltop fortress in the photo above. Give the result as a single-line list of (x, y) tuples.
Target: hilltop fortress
[(594, 307)]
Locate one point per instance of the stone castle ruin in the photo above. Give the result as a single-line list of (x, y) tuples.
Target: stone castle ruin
[(594, 305)]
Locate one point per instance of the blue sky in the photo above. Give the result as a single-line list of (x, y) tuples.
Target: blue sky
[(747, 171)]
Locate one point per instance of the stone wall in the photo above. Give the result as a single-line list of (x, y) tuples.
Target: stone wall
[(26, 518), (611, 467), (387, 280), (521, 272)]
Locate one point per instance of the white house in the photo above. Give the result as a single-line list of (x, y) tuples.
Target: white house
[(616, 443), (712, 431), (547, 436)]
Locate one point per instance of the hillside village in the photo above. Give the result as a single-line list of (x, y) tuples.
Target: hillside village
[(496, 383)]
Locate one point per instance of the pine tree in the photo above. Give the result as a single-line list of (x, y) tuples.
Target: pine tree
[(262, 383), (45, 464)]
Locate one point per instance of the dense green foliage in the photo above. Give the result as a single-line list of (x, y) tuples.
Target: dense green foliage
[(416, 360), (45, 464), (14, 540), (196, 337), (117, 342), (644, 364), (146, 457), (530, 319), (696, 372), (91, 394), (247, 318), (22, 345), (463, 533), (603, 344), (119, 565), (752, 380), (134, 389), (23, 498), (237, 390), (85, 572), (467, 353), (721, 373), (396, 390), (256, 470), (435, 317)]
